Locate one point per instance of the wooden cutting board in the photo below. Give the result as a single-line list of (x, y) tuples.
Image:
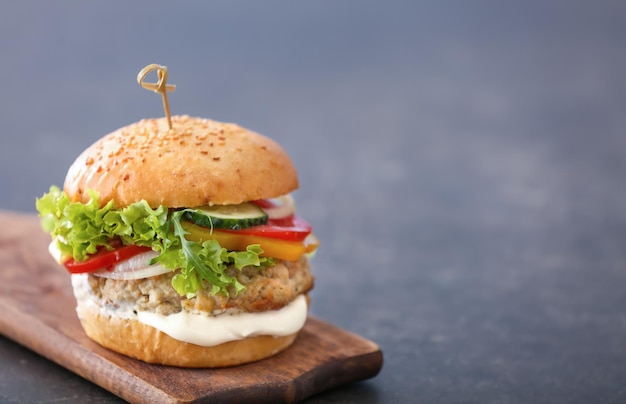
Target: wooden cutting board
[(37, 310)]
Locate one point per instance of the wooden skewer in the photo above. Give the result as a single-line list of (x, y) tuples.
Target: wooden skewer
[(160, 86)]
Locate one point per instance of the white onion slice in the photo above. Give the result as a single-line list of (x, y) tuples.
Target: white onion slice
[(284, 207), (134, 268), (53, 249)]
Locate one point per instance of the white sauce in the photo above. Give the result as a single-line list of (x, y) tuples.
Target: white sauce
[(202, 329), (213, 330)]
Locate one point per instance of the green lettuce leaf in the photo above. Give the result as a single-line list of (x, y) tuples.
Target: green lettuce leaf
[(81, 229)]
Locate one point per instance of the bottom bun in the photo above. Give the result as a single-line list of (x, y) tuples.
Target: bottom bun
[(143, 342)]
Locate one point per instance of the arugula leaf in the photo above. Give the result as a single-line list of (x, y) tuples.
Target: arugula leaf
[(80, 229)]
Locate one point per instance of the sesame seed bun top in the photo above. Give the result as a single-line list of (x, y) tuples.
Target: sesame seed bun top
[(197, 162)]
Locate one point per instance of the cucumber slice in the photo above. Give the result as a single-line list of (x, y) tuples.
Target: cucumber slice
[(232, 217)]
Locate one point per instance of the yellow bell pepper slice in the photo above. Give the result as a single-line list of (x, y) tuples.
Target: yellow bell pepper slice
[(272, 247)]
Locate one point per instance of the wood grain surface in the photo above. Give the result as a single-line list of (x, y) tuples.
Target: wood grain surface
[(37, 311)]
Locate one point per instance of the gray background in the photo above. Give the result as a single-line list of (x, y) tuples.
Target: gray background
[(462, 162)]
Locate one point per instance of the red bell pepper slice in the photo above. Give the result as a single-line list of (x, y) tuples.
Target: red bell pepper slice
[(291, 228)]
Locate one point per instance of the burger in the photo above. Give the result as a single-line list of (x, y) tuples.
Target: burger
[(183, 244)]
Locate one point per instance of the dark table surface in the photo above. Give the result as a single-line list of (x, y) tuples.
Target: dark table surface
[(463, 163)]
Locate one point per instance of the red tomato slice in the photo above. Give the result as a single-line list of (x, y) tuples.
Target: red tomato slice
[(104, 259), (291, 228)]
